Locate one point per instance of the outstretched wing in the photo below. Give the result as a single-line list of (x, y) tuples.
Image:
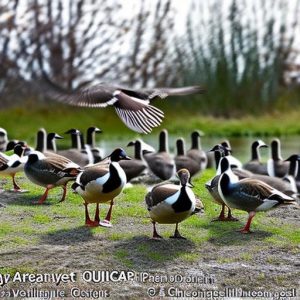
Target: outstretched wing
[(165, 92), (137, 114), (132, 107), (99, 95)]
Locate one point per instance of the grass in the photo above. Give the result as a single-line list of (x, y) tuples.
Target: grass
[(58, 118), (23, 221), (52, 237)]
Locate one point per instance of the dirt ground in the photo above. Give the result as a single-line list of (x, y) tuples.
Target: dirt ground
[(241, 266)]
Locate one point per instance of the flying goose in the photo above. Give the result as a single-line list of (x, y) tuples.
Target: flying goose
[(160, 163), (195, 152), (134, 167), (10, 165), (131, 105), (183, 161), (171, 203), (276, 165), (100, 184), (248, 194), (50, 171), (255, 165)]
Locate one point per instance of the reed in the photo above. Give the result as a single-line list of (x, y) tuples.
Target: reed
[(240, 50)]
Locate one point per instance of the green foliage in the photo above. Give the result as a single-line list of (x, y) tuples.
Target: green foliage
[(240, 51)]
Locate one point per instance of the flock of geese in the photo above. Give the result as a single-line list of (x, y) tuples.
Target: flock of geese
[(252, 187)]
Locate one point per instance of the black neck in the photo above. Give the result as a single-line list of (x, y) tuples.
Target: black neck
[(51, 144), (138, 150), (163, 142), (82, 146), (293, 167), (224, 183), (113, 181), (195, 141), (218, 157), (180, 147), (275, 148), (298, 172), (76, 141), (90, 137), (41, 141), (183, 203), (255, 152)]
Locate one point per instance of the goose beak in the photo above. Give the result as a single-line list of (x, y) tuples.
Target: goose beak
[(57, 136), (127, 158)]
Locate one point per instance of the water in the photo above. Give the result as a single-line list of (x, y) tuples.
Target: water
[(240, 145)]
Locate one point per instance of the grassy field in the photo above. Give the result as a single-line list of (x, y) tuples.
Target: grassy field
[(52, 238), (23, 122)]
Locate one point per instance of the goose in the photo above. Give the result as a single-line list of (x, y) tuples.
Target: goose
[(160, 163), (196, 152), (90, 141), (10, 165), (51, 144), (255, 165), (77, 153), (146, 148), (41, 145), (11, 145), (3, 139), (171, 203), (134, 167), (234, 162), (50, 172), (248, 194), (212, 187), (100, 184), (297, 175), (286, 186), (132, 105), (290, 177), (41, 140), (182, 161), (276, 165)]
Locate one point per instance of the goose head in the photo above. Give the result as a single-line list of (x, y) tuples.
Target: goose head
[(119, 154), (184, 177)]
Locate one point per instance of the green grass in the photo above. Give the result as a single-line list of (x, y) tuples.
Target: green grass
[(24, 223), (59, 118)]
